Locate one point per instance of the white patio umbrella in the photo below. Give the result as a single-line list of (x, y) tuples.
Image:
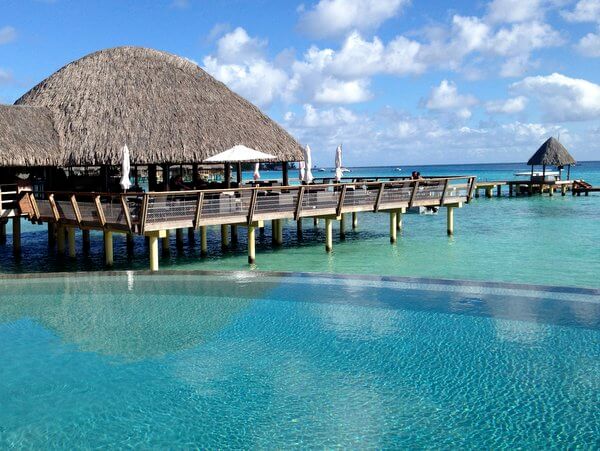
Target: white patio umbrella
[(301, 171), (125, 168), (256, 174), (338, 164), (240, 154), (308, 177)]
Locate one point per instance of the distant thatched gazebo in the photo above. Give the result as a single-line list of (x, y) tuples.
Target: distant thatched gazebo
[(552, 153), (165, 108)]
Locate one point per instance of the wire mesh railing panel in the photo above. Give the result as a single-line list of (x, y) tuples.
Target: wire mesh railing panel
[(394, 194), (320, 199), (360, 197), (276, 202), (230, 204), (44, 208), (65, 210)]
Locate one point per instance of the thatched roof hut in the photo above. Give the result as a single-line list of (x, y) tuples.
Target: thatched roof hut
[(551, 153), (165, 108)]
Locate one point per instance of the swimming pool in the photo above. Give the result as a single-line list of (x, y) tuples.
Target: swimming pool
[(269, 360)]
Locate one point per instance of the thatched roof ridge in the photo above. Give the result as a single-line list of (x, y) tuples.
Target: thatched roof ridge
[(551, 153), (164, 107), (27, 137)]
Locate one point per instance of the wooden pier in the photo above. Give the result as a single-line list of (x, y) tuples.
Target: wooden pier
[(524, 187), (155, 214)]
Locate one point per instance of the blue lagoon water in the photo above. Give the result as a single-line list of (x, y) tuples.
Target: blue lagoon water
[(240, 360), (538, 239)]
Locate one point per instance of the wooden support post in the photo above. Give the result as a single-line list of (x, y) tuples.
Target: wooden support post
[(563, 190), (85, 240), (130, 243), (16, 230), (393, 226), (51, 234), (203, 242), (60, 239), (488, 192), (234, 234), (399, 220), (499, 190), (71, 240), (165, 242), (191, 235), (299, 228), (179, 238), (153, 245), (450, 220), (108, 248), (251, 244), (328, 235), (354, 220), (279, 236), (316, 222), (342, 226), (224, 236), (3, 231), (510, 190), (476, 192), (551, 190)]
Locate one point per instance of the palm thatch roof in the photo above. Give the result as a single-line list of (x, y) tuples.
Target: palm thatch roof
[(27, 137), (165, 108), (551, 153)]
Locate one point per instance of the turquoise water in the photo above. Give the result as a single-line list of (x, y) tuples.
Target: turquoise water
[(544, 240), (260, 361)]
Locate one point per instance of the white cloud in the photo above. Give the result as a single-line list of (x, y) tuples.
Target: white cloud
[(584, 11), (7, 34), (394, 137), (562, 98), (589, 45), (238, 47), (508, 106), (336, 17), (514, 10), (259, 81), (446, 98), (337, 91)]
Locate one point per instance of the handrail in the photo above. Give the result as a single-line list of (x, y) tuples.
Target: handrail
[(148, 212)]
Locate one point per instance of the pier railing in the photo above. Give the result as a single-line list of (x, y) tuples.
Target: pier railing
[(148, 212)]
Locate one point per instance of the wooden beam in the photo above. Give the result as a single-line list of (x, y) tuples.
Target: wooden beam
[(443, 198), (144, 213), (252, 207)]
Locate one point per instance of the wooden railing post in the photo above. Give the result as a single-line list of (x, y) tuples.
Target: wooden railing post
[(299, 203), (252, 206), (198, 215), (413, 194), (443, 198), (126, 212), (53, 207), (471, 188), (34, 206), (100, 211), (340, 205), (144, 213), (76, 210), (379, 196)]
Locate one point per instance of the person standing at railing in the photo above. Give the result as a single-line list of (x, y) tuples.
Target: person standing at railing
[(177, 184)]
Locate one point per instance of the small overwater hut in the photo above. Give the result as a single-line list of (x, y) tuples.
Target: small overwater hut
[(551, 154)]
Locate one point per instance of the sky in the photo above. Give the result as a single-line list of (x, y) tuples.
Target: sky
[(395, 81)]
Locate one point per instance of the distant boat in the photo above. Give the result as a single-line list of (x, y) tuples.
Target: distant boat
[(321, 170), (343, 170), (535, 173), (397, 169)]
